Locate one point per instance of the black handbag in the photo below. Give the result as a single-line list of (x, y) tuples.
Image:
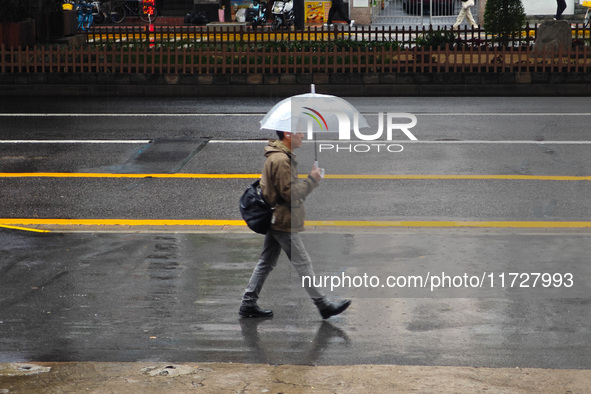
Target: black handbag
[(255, 211)]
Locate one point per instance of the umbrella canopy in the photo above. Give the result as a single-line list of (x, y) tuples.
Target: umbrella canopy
[(313, 113)]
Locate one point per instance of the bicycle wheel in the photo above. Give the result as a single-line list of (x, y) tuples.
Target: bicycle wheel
[(148, 18), (99, 18), (118, 13)]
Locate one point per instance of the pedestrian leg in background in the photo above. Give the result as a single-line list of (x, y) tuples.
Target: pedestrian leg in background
[(337, 8), (560, 7), (267, 261), (465, 12)]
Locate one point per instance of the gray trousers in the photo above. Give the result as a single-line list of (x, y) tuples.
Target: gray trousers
[(293, 246)]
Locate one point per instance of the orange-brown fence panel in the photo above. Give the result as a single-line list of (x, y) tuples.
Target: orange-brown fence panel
[(228, 59)]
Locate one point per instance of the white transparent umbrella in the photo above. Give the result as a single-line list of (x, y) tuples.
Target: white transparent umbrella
[(314, 114)]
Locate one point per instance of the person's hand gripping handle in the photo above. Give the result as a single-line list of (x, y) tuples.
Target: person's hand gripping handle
[(317, 173)]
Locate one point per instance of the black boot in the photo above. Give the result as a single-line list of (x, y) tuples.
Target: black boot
[(334, 308), (254, 311)]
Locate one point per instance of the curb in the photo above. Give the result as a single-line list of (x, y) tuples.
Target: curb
[(527, 84), (528, 90), (158, 377)]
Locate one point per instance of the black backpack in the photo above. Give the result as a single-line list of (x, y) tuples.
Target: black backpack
[(256, 212)]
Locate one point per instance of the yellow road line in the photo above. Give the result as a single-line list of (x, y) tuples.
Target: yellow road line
[(119, 222), (329, 176), (462, 177), (108, 175), (318, 223), (436, 223), (25, 229)]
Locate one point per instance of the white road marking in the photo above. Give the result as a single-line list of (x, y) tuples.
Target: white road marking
[(86, 115), (414, 142), (75, 141), (40, 115), (264, 141)]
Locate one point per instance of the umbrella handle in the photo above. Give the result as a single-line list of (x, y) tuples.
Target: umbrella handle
[(316, 158), (319, 169)]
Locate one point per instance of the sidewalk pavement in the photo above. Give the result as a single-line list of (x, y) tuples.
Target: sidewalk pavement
[(157, 377)]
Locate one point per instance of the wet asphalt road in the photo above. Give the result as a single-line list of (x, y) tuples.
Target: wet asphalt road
[(171, 295), (174, 297)]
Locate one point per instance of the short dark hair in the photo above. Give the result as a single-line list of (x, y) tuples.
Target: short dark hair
[(281, 135)]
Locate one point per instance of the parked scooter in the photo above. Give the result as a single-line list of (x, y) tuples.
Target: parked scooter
[(257, 13), (283, 14)]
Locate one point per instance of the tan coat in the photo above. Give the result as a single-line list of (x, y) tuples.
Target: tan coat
[(282, 187)]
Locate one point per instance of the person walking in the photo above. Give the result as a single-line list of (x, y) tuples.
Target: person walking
[(560, 7), (336, 7), (465, 12), (281, 186)]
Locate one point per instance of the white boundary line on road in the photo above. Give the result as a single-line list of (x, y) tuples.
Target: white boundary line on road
[(319, 141), (417, 142), (75, 141), (86, 115), (58, 115)]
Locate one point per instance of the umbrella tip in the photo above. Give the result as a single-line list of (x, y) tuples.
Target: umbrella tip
[(312, 88)]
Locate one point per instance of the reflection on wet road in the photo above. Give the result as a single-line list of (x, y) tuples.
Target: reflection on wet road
[(175, 297)]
